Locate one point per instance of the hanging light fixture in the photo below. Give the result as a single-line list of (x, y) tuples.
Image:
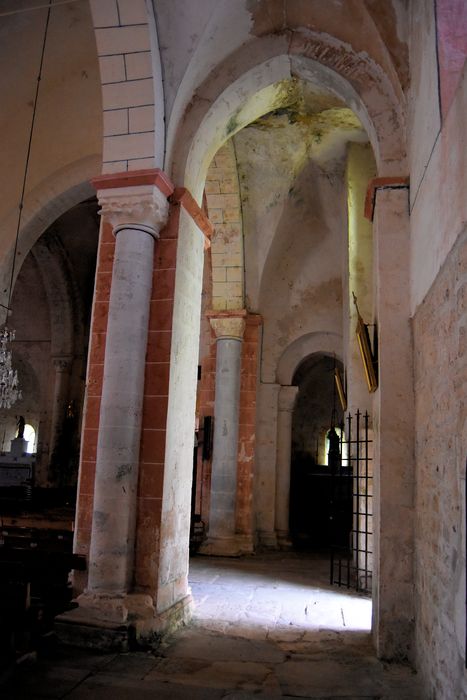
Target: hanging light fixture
[(9, 386)]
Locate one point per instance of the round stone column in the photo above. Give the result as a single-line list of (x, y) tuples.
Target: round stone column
[(286, 402), (136, 214), (62, 366), (229, 331)]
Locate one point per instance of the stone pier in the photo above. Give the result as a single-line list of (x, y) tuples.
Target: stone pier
[(286, 402)]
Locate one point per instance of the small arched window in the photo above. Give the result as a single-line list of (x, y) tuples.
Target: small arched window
[(30, 437), (343, 447)]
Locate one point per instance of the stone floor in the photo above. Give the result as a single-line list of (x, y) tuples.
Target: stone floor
[(266, 626)]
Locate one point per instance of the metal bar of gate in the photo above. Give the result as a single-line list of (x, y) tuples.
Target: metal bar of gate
[(356, 490)]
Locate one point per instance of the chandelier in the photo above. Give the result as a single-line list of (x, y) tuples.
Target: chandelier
[(9, 390)]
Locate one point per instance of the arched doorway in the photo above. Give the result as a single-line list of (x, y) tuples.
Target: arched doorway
[(316, 411), (51, 306)]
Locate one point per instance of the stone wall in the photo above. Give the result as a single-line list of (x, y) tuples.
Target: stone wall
[(440, 331), (438, 281), (223, 203)]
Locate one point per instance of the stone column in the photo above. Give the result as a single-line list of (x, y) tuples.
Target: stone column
[(265, 478), (229, 329), (287, 396), (394, 415), (62, 367), (137, 214)]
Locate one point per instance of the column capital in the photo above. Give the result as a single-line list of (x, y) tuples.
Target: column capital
[(135, 199), (62, 363), (287, 396), (142, 207), (228, 324)]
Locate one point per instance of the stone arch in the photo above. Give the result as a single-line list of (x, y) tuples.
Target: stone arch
[(258, 86), (48, 201), (302, 348), (131, 79), (52, 126), (52, 326), (28, 405), (315, 410), (224, 211), (52, 264)]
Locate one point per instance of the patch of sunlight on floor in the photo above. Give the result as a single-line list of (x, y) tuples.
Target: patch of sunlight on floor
[(279, 596)]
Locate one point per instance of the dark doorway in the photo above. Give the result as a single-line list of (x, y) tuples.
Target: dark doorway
[(311, 491)]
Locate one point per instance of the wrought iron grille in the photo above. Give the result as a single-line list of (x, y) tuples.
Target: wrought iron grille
[(351, 512)]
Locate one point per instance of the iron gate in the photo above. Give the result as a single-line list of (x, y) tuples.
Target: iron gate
[(351, 507)]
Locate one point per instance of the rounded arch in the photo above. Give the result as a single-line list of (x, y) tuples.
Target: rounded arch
[(29, 405), (45, 204), (222, 105), (52, 264), (222, 192), (303, 347)]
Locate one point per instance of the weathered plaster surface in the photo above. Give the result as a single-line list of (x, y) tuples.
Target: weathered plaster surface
[(440, 211), (440, 331), (288, 169), (451, 18), (424, 117), (291, 164), (259, 33), (339, 20)]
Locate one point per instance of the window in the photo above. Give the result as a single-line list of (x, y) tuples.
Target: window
[(343, 447), (30, 437)]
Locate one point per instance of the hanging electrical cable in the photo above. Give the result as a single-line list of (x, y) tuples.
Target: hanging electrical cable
[(9, 384)]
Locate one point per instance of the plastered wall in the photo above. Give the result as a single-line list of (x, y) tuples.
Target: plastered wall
[(440, 332), (438, 292), (438, 157), (66, 143)]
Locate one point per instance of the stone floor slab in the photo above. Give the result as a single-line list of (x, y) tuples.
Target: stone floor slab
[(266, 626), (105, 688), (193, 642), (248, 675), (135, 665)]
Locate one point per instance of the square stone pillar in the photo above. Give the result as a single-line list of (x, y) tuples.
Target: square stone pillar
[(266, 458), (393, 411), (286, 403)]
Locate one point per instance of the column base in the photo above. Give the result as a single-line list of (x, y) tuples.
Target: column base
[(267, 539), (283, 539), (233, 546), (121, 623)]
